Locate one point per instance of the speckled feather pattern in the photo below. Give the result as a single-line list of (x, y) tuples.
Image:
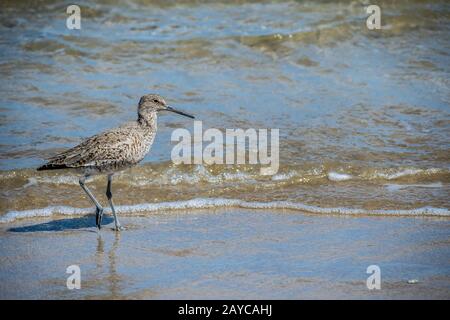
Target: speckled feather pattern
[(116, 149), (111, 151)]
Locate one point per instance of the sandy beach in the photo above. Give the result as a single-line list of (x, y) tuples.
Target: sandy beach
[(227, 254)]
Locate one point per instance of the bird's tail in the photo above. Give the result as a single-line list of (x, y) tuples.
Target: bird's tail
[(52, 166)]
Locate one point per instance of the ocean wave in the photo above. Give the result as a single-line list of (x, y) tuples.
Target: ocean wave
[(71, 180), (391, 174), (168, 174), (335, 176), (397, 187), (57, 180), (212, 203)]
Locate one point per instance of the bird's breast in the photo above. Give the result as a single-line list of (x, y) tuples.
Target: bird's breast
[(142, 146)]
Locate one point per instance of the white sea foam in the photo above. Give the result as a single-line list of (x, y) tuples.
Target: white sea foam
[(335, 176), (31, 182), (73, 180), (397, 187), (406, 172), (43, 212), (283, 176), (211, 203)]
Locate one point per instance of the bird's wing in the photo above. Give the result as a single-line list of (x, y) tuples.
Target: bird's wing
[(109, 147)]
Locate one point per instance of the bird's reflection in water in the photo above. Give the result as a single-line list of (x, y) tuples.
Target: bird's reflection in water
[(112, 279)]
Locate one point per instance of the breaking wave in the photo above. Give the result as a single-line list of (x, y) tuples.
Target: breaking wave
[(213, 203), (168, 174)]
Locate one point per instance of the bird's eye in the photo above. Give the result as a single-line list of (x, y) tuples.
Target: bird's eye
[(155, 101)]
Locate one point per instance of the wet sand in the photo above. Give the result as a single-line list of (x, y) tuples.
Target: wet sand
[(225, 254)]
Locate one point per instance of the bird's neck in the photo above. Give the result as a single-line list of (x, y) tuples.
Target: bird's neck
[(147, 121)]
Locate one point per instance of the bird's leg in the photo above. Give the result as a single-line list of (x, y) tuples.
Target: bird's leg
[(109, 196), (99, 208)]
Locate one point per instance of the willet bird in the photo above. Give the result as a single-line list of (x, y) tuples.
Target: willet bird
[(114, 150)]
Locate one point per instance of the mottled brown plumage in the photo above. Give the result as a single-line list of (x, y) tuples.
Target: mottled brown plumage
[(114, 150), (110, 151)]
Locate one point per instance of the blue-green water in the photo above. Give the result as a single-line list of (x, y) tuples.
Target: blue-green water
[(371, 105)]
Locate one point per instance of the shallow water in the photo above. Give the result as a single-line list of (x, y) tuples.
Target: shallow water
[(364, 115), (227, 254)]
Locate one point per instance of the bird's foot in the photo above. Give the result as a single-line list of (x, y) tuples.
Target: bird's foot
[(118, 228), (98, 217)]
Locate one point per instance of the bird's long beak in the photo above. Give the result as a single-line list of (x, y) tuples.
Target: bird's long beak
[(169, 108)]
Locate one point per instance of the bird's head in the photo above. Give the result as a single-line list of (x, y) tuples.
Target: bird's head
[(150, 104)]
